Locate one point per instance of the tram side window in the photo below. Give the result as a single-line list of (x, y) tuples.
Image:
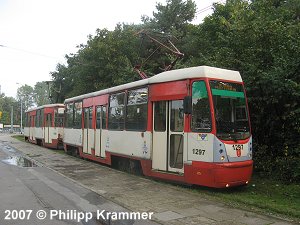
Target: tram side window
[(37, 118), (104, 117), (160, 116), (201, 118), (77, 115), (59, 119), (69, 115), (73, 115), (137, 102), (116, 111), (101, 117), (42, 118), (98, 117)]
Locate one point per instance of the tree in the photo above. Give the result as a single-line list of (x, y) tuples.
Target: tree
[(5, 107), (173, 18), (41, 93), (26, 94)]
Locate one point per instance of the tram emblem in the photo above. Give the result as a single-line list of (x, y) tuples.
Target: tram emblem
[(238, 149), (202, 137)]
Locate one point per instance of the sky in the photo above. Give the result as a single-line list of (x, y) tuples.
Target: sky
[(35, 35)]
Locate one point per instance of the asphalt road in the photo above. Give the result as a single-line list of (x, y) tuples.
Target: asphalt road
[(29, 192)]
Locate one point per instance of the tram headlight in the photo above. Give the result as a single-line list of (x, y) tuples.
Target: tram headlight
[(222, 158), (250, 155)]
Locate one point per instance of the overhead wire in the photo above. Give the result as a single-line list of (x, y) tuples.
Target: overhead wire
[(207, 8), (28, 52)]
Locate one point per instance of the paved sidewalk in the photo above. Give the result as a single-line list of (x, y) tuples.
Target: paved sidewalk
[(171, 205)]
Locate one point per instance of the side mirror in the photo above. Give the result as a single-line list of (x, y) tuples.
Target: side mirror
[(187, 104)]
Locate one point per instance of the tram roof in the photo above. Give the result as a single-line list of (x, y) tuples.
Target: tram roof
[(46, 106), (172, 75)]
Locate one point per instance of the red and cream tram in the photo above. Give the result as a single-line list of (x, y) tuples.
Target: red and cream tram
[(188, 125), (44, 125)]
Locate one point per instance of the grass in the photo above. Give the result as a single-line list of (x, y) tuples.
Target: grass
[(263, 195), (60, 151), (19, 137)]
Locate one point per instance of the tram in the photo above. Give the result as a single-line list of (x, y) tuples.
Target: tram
[(44, 125), (188, 125)]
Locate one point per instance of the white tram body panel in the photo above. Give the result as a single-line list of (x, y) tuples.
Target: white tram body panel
[(53, 133), (130, 143), (39, 134), (26, 131), (73, 136), (32, 133), (200, 147)]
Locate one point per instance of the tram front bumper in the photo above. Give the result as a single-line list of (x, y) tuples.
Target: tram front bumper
[(219, 175)]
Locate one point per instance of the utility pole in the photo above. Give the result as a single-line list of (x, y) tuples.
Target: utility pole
[(12, 119), (21, 100), (21, 115)]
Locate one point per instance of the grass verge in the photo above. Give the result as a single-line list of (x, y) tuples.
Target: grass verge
[(264, 195), (19, 137)]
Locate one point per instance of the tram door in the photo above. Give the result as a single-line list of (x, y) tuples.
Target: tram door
[(100, 124), (168, 136), (31, 128), (88, 131), (47, 128)]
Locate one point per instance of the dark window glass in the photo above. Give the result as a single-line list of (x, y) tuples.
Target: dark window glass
[(37, 118), (59, 119), (69, 115), (101, 117), (137, 109), (77, 115), (73, 114), (49, 120), (177, 115), (86, 118), (176, 151), (160, 116), (98, 117), (104, 117), (201, 118), (42, 118), (116, 111), (91, 117), (231, 112)]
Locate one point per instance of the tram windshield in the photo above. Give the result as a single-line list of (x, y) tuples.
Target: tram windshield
[(231, 114)]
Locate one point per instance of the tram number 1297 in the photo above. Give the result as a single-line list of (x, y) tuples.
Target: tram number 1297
[(198, 151)]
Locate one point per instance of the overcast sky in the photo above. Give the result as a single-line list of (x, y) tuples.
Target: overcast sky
[(38, 33)]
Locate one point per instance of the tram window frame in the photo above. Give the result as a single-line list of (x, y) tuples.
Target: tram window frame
[(36, 124), (91, 110), (202, 130), (73, 118), (58, 118), (101, 117), (98, 117), (136, 107), (69, 115), (113, 122), (104, 117), (160, 116), (42, 118), (77, 115)]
